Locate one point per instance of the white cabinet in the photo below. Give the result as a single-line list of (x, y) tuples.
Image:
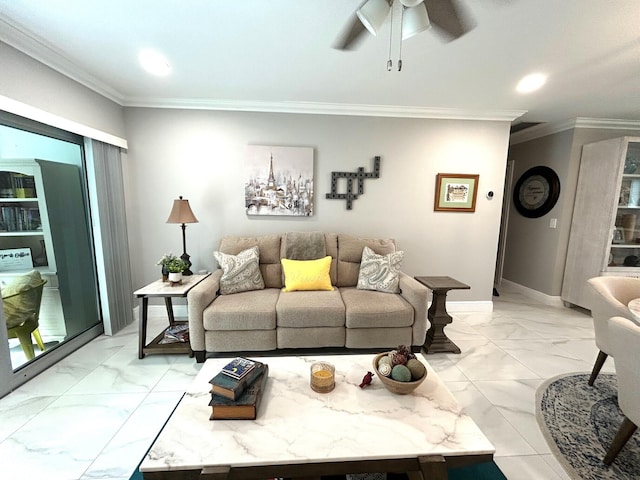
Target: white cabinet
[(605, 229)]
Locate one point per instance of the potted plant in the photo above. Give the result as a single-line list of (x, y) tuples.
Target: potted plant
[(175, 267), (166, 258)]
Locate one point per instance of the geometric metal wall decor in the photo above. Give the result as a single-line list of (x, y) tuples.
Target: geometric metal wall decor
[(360, 175)]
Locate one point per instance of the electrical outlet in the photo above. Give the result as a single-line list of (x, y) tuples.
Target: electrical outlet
[(553, 223)]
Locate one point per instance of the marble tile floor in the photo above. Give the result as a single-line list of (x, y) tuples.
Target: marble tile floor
[(94, 414)]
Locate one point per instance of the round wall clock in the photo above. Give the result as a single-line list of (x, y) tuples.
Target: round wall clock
[(536, 192)]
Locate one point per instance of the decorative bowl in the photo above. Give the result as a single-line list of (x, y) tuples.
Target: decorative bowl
[(400, 388)]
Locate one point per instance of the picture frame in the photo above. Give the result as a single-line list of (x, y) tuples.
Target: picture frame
[(618, 235), (456, 192), (279, 180)]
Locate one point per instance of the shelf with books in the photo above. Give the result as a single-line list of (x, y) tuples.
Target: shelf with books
[(24, 219)]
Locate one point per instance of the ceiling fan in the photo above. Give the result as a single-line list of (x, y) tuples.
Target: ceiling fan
[(417, 16)]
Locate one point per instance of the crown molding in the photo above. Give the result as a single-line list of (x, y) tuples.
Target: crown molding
[(545, 129), (38, 48), (317, 108)]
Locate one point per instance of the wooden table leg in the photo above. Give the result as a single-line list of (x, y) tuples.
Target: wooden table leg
[(436, 340), (169, 305), (142, 327), (433, 467)]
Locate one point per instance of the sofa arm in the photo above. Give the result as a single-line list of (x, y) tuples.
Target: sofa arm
[(199, 298), (418, 296)]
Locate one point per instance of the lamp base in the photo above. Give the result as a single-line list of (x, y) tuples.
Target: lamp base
[(185, 258)]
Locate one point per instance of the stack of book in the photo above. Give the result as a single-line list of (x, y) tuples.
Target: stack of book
[(237, 389)]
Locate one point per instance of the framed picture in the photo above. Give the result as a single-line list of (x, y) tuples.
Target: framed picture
[(278, 181), (618, 235), (456, 192)]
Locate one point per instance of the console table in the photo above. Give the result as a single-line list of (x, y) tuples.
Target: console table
[(436, 341), (166, 291)]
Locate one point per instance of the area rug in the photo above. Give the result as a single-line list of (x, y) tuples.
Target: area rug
[(579, 423)]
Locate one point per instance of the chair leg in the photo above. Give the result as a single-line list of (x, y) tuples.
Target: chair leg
[(36, 335), (597, 367), (624, 434), (27, 346)]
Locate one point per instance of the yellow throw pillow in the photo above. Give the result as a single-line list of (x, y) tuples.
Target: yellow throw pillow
[(306, 274)]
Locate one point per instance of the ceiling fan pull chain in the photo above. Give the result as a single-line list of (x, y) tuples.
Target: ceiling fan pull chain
[(400, 49), (389, 62)]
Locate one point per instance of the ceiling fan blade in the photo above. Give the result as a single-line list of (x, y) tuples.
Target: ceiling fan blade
[(351, 35), (449, 18)]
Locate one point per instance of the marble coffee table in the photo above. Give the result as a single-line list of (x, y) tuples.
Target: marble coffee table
[(301, 433)]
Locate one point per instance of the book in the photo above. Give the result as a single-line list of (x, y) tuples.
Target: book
[(232, 388), (178, 333), (238, 367), (246, 406)]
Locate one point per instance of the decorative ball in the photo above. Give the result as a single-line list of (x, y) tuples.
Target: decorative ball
[(384, 360), (398, 359), (400, 373), (404, 350), (416, 368), (384, 369)]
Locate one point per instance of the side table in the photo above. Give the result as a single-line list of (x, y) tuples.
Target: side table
[(436, 341), (166, 291)]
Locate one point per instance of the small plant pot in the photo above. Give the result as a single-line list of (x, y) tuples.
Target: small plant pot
[(175, 277)]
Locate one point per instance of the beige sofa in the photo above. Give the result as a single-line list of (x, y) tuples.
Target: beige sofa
[(269, 319)]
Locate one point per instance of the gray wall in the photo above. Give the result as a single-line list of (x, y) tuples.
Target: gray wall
[(28, 81), (535, 254), (199, 154)]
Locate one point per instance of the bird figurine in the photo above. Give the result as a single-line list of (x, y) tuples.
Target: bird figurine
[(366, 380)]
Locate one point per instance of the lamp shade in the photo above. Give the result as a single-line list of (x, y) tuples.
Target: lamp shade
[(373, 14), (414, 21), (181, 212)]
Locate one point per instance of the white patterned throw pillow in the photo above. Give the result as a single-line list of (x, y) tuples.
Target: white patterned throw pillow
[(240, 273), (380, 272)]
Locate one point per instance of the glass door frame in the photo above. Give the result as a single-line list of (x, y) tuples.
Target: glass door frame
[(10, 378)]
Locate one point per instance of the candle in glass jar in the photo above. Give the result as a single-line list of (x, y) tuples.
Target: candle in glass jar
[(322, 377)]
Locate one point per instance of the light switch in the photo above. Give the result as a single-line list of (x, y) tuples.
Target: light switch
[(553, 223)]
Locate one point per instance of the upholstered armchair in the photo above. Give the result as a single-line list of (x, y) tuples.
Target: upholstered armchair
[(609, 297), (21, 303), (625, 349)]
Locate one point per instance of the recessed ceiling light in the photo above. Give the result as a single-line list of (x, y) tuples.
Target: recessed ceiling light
[(531, 83), (154, 63)]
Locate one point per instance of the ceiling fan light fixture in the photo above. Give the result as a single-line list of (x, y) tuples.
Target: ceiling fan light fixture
[(373, 14), (415, 20)]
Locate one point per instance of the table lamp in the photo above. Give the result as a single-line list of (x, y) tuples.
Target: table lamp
[(181, 213)]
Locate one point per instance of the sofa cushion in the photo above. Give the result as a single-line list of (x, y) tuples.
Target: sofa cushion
[(254, 310), (350, 253), (310, 309), (241, 272), (306, 274), (304, 245), (269, 246), (380, 272), (370, 309)]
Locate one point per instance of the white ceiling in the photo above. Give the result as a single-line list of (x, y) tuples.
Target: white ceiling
[(270, 54)]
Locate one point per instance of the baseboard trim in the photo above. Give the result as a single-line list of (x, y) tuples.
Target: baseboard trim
[(475, 306), (550, 300)]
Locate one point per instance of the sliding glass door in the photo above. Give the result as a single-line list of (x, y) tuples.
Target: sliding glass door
[(48, 275)]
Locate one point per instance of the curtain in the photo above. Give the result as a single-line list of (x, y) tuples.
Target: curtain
[(111, 239)]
